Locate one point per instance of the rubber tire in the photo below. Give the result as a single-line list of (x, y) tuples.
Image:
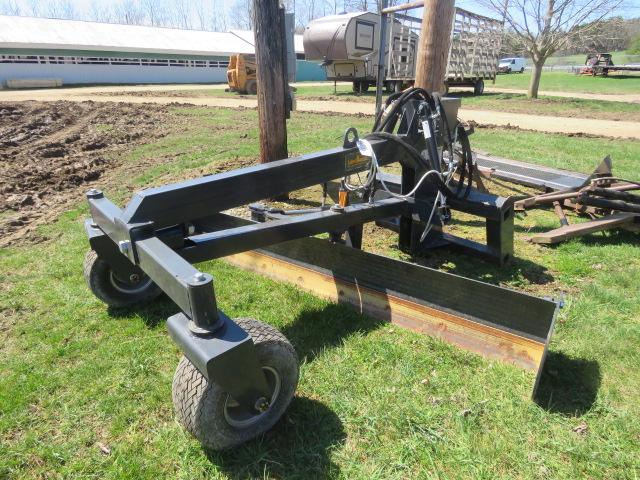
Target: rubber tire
[(389, 87), (360, 87), (199, 405), (508, 70), (97, 274), (252, 87), (522, 70), (478, 88)]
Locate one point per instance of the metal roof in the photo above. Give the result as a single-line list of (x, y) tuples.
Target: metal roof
[(54, 34), (247, 36)]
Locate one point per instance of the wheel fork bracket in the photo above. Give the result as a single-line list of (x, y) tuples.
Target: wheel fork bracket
[(227, 358)]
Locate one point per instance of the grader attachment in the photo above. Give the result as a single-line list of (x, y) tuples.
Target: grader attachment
[(237, 377), (492, 321)]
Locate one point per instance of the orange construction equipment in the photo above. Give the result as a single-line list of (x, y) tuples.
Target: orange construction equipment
[(241, 74)]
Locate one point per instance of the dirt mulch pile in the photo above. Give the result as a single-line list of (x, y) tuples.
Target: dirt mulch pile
[(51, 153)]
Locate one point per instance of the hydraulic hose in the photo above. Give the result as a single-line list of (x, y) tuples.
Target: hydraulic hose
[(431, 174)]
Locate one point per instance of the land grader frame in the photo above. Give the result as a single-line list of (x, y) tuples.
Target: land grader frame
[(237, 377)]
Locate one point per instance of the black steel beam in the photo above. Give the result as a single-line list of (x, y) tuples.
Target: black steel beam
[(201, 197), (492, 305), (477, 203), (189, 288), (104, 213), (108, 251), (240, 239)]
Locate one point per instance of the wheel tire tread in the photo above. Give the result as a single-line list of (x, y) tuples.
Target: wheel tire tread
[(95, 271), (190, 389)]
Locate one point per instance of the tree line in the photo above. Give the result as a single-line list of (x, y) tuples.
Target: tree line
[(187, 14), (609, 35)]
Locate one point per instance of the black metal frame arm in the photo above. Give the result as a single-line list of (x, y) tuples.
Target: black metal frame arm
[(156, 234), (240, 239), (163, 230)]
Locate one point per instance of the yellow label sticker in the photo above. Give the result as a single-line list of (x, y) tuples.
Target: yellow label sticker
[(355, 161)]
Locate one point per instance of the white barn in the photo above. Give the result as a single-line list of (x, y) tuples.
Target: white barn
[(80, 52)]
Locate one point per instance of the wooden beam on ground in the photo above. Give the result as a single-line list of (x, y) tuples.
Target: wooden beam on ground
[(269, 31), (434, 44), (561, 234)]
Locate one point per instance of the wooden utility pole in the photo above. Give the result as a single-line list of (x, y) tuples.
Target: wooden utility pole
[(435, 42), (268, 27)]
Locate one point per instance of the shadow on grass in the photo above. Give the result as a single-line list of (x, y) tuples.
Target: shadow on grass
[(534, 229), (454, 260), (315, 330), (568, 385), (516, 228), (610, 237), (154, 314), (622, 76), (302, 203), (602, 239), (299, 446)]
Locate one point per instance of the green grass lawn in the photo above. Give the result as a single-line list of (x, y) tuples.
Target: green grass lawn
[(504, 102), (373, 401), (551, 106), (569, 82), (553, 81)]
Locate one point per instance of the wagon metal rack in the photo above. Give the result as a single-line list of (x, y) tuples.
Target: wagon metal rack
[(238, 377)]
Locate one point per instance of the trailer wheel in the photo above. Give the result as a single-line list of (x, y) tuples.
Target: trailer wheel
[(213, 417), (115, 291), (360, 87), (389, 87), (252, 87), (478, 88)]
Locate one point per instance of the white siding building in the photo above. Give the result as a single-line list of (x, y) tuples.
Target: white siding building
[(79, 52)]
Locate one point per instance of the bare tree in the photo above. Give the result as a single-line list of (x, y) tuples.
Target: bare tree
[(129, 13), (546, 26), (218, 16), (61, 9), (68, 10), (202, 14), (305, 11), (10, 7), (241, 14), (367, 5), (99, 12), (34, 8), (154, 12), (181, 14)]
